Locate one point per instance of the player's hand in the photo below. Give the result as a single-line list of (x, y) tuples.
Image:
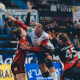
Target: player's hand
[(24, 47), (29, 6), (8, 16), (38, 43)]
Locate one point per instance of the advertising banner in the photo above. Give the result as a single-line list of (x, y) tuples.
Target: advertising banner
[(8, 58), (76, 16), (31, 58), (64, 9), (22, 14), (76, 8), (62, 17), (6, 74), (34, 73)]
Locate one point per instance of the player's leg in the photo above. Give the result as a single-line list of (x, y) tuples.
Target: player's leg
[(12, 68), (20, 76), (42, 65), (15, 77), (18, 70), (44, 69), (48, 62)]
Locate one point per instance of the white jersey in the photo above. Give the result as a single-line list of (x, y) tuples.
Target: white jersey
[(34, 38)]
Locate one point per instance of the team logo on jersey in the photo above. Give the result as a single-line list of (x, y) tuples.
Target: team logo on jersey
[(30, 29), (15, 69)]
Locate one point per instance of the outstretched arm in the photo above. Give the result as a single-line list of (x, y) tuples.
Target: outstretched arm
[(20, 24), (50, 51), (36, 49), (28, 15)]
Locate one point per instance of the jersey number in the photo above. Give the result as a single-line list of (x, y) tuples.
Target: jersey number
[(68, 52)]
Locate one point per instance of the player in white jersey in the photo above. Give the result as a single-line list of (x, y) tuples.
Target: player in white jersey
[(44, 62)]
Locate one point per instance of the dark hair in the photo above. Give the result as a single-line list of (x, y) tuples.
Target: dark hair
[(16, 32), (43, 27), (63, 37)]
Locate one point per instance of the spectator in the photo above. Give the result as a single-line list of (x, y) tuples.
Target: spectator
[(75, 24), (39, 2), (44, 2), (56, 28), (47, 27), (74, 30), (79, 22), (45, 22), (53, 34), (42, 5), (71, 22), (78, 30), (15, 26), (68, 29), (53, 24), (75, 27), (2, 24), (9, 25), (7, 3), (76, 42), (71, 30)]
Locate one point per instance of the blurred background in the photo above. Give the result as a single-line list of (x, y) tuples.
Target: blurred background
[(60, 16)]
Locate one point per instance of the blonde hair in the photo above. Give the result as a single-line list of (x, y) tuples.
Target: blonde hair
[(63, 37), (17, 32)]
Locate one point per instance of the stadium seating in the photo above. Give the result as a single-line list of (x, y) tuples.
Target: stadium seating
[(19, 3), (7, 44)]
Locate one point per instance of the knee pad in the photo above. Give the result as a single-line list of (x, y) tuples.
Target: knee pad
[(46, 74), (48, 63)]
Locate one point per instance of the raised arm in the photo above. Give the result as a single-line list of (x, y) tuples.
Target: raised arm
[(28, 15), (20, 24)]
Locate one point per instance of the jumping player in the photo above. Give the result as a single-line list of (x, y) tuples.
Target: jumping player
[(68, 56)]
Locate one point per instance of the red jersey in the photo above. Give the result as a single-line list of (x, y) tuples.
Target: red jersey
[(20, 54)]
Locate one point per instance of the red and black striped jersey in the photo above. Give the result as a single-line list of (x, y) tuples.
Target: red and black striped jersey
[(20, 54)]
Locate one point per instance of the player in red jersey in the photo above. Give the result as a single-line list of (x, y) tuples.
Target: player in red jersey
[(17, 65), (68, 56)]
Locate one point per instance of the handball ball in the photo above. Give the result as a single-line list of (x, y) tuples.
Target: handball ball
[(2, 7)]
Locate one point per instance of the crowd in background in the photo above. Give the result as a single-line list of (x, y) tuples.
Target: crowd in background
[(51, 27), (8, 4)]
